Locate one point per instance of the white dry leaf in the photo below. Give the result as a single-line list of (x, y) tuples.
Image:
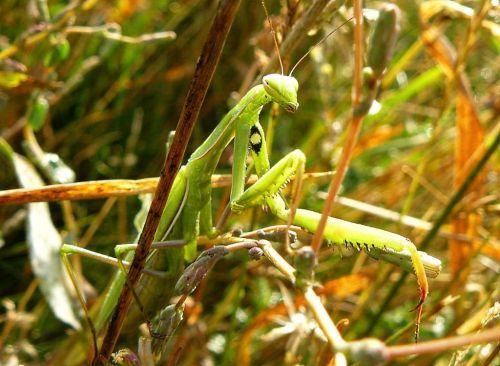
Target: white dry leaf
[(44, 243)]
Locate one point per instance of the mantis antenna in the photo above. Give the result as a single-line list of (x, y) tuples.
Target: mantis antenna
[(318, 43), (274, 36)]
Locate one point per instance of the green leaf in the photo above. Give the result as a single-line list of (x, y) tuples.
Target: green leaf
[(63, 48), (12, 79), (60, 49), (38, 112)]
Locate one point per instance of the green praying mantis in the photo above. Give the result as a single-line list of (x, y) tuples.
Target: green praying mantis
[(188, 212)]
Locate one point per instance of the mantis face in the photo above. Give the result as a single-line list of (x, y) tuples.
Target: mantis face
[(283, 90)]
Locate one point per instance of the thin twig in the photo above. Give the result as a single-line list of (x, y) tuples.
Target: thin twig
[(324, 320), (205, 68), (112, 32), (108, 188), (314, 303), (436, 346), (354, 128), (277, 260), (298, 31), (59, 21)]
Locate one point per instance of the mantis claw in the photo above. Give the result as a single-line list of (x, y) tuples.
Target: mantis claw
[(424, 290), (419, 308), (419, 304)]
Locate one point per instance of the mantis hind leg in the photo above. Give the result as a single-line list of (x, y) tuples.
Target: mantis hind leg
[(64, 257)]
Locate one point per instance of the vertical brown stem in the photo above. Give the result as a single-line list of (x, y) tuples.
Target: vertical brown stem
[(205, 68), (354, 127)]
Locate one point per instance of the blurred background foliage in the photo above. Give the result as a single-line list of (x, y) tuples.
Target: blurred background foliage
[(101, 84)]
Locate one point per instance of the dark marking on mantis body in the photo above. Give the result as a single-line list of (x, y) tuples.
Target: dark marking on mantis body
[(255, 140)]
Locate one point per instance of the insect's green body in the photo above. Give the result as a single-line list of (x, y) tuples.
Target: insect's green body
[(189, 204), (188, 209)]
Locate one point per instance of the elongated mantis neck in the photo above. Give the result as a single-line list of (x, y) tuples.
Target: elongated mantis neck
[(237, 123), (246, 111)]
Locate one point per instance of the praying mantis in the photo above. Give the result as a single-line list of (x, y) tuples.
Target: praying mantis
[(188, 212)]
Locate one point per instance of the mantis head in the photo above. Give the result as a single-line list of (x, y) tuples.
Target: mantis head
[(283, 90)]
